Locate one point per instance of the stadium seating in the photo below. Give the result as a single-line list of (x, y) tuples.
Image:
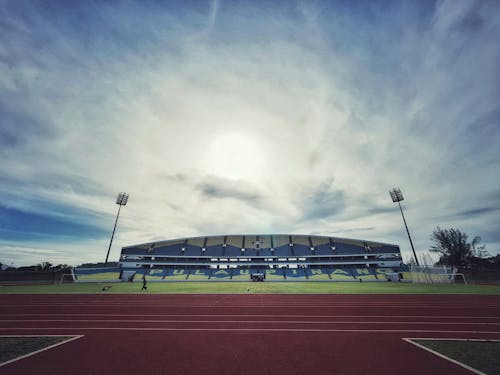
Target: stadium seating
[(201, 274), (318, 274), (250, 252), (176, 274), (265, 252), (240, 274), (324, 249), (364, 274), (384, 249), (275, 274), (214, 251), (283, 251), (352, 260), (406, 276), (156, 274), (346, 248), (191, 250), (167, 250), (341, 274), (221, 274), (299, 250), (295, 274), (232, 251)]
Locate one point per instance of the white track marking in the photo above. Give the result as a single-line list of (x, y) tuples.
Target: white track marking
[(443, 356), (242, 321), (402, 305), (447, 339), (262, 315), (250, 330), (75, 337)]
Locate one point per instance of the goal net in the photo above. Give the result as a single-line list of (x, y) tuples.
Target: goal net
[(426, 273)]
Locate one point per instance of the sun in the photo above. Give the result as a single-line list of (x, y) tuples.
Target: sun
[(235, 156)]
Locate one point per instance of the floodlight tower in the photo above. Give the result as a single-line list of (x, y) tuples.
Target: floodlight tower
[(397, 196), (120, 201)]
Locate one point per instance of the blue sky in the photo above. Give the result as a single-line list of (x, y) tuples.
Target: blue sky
[(245, 117)]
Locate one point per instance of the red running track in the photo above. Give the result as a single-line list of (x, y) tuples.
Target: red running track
[(244, 334)]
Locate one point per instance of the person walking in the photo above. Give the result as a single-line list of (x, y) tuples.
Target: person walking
[(144, 283)]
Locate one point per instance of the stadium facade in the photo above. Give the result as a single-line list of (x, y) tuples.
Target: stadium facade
[(282, 257)]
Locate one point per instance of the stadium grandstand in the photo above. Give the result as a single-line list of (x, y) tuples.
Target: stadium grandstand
[(258, 258)]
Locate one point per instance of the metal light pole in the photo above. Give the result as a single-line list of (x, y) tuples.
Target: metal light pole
[(120, 201), (397, 196)]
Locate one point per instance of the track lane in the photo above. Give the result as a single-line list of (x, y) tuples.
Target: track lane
[(245, 334)]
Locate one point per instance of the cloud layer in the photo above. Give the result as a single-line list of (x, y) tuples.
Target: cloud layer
[(245, 117)]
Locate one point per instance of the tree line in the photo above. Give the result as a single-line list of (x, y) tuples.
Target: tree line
[(455, 249)]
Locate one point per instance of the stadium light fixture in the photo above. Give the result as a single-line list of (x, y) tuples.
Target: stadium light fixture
[(397, 196), (121, 200)]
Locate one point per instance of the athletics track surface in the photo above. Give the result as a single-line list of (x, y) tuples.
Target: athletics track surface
[(244, 334)]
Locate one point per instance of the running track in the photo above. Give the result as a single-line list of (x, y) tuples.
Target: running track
[(244, 334)]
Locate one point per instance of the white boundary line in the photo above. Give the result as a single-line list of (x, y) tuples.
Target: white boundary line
[(410, 340), (74, 337), (451, 339), (248, 330), (259, 315), (243, 321)]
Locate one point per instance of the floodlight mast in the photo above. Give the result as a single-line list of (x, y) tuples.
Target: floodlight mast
[(397, 196), (121, 200)]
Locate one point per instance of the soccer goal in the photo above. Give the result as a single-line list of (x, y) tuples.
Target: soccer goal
[(67, 278), (426, 273)]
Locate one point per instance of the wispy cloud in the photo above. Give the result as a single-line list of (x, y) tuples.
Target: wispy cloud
[(223, 117)]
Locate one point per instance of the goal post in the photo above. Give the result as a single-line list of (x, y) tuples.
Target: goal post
[(66, 278), (424, 273)]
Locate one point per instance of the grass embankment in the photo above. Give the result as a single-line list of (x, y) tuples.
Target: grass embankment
[(265, 287), (481, 355)]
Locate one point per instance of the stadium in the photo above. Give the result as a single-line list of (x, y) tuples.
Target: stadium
[(284, 257)]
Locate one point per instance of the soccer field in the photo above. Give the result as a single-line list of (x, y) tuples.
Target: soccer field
[(265, 287)]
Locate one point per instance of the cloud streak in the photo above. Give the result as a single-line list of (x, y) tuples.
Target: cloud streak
[(221, 117)]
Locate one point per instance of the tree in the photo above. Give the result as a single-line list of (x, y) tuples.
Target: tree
[(44, 266), (454, 249)]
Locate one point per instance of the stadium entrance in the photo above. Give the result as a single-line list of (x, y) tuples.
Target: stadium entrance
[(257, 276)]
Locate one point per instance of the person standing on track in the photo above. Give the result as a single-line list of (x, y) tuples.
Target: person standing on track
[(144, 283)]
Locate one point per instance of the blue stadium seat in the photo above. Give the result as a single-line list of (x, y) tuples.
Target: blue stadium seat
[(324, 249), (192, 250), (199, 274), (283, 251), (168, 250), (346, 248), (295, 273), (220, 274), (275, 274), (232, 251), (214, 251), (265, 252), (299, 250), (250, 252), (241, 274)]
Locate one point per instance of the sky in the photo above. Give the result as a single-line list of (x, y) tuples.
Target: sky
[(245, 117)]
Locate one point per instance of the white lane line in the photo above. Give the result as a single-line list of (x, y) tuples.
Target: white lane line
[(75, 337), (443, 356), (448, 338), (267, 305), (263, 315), (242, 321), (252, 329)]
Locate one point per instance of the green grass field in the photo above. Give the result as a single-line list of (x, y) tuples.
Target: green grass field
[(265, 287), (14, 347), (481, 355)]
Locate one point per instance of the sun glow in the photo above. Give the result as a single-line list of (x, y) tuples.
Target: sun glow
[(235, 156)]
